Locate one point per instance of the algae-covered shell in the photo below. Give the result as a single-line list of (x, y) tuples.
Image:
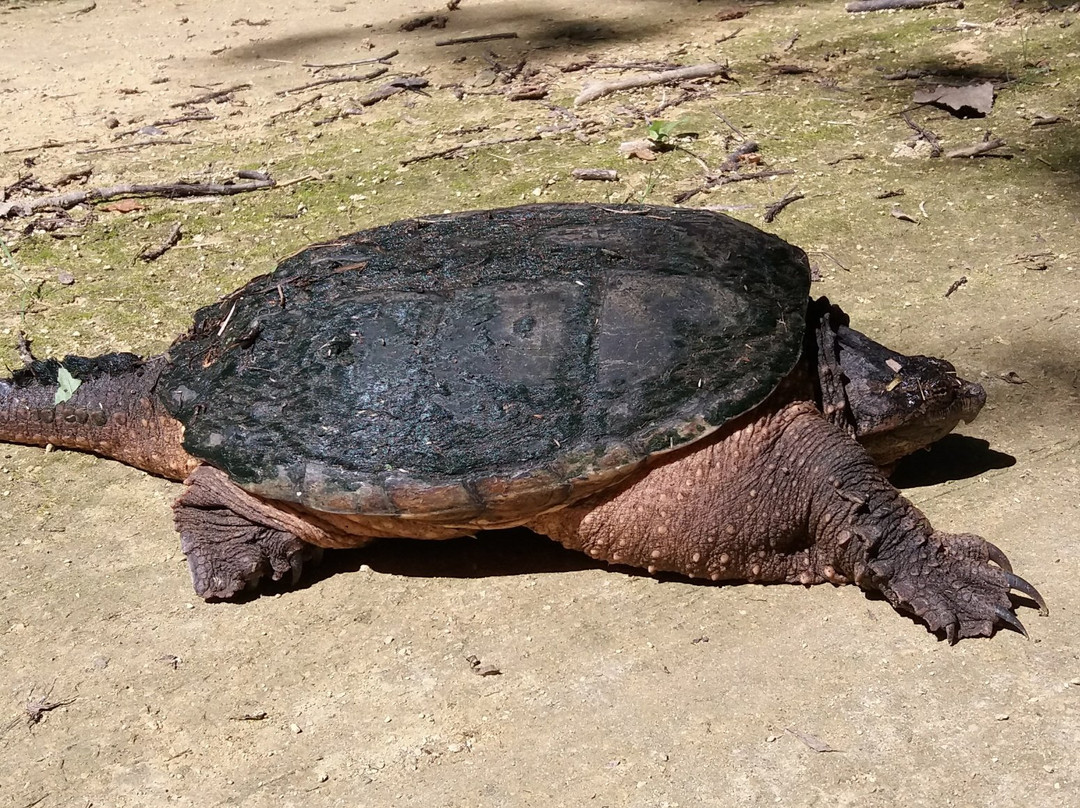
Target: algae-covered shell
[(476, 368)]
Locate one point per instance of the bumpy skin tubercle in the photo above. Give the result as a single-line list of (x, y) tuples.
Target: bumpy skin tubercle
[(784, 496)]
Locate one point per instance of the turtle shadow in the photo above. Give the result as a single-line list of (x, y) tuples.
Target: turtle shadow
[(491, 553), (954, 457)]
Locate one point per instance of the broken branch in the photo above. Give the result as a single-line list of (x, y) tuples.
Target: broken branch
[(69, 200), (378, 71), (461, 147), (147, 254), (140, 144), (978, 149), (461, 40), (212, 96), (596, 90), (773, 210), (373, 60), (597, 174), (924, 133), (393, 88), (887, 5)]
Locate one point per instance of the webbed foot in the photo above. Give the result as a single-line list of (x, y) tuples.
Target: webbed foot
[(958, 584), (233, 540)]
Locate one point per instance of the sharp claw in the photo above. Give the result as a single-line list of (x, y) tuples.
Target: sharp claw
[(1006, 616), (950, 633), (998, 557), (1020, 585)]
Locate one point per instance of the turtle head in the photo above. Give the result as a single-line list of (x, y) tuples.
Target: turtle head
[(900, 403), (897, 404)]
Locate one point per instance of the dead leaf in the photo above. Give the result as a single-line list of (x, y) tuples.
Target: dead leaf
[(813, 742), (969, 101), (1012, 377), (641, 149), (896, 213), (122, 206)]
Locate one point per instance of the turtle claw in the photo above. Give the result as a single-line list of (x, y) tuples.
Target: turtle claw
[(1007, 617), (950, 633), (1020, 585), (958, 584), (995, 554)]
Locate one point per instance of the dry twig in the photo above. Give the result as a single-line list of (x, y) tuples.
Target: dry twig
[(979, 149), (716, 182), (773, 210), (924, 133), (139, 144), (956, 285), (26, 207), (373, 60), (216, 95), (378, 71), (463, 146), (599, 174), (152, 254), (461, 40), (888, 5), (599, 89), (307, 102)]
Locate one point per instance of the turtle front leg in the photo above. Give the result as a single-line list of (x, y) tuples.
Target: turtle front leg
[(232, 539), (786, 497)]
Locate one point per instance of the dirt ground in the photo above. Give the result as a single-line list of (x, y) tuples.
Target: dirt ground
[(604, 688)]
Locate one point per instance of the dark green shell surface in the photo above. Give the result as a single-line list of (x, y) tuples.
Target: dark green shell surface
[(471, 367)]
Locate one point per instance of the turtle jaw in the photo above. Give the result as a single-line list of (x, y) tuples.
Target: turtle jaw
[(900, 403)]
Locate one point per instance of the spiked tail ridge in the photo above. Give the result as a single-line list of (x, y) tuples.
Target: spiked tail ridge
[(111, 411)]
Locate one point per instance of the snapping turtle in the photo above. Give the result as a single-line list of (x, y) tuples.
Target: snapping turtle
[(652, 386)]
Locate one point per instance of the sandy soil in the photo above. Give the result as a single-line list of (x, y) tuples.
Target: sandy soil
[(611, 689)]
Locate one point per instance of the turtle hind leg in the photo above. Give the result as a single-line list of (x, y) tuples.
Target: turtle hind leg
[(233, 540)]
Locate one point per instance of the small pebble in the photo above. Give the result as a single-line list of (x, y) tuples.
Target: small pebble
[(295, 729), (1001, 717)]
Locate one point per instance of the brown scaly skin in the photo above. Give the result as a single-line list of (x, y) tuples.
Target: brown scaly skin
[(781, 494), (114, 412), (785, 497)]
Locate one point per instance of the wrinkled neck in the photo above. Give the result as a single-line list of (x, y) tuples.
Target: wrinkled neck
[(113, 412)]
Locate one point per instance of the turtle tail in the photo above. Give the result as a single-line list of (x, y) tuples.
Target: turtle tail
[(105, 405)]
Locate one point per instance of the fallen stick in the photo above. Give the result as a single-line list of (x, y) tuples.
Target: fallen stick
[(27, 207), (461, 40), (887, 5), (72, 176), (391, 88), (139, 144), (297, 108), (201, 115), (212, 96), (373, 60), (924, 133), (48, 144), (773, 210), (979, 148), (147, 254), (527, 94), (682, 196), (378, 71), (461, 147), (601, 88), (598, 174)]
